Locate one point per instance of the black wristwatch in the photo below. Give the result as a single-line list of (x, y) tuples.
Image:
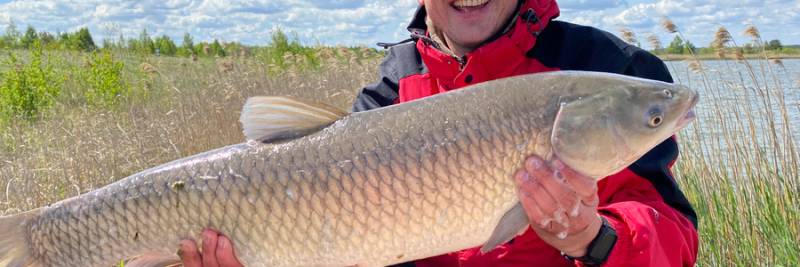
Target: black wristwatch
[(598, 250)]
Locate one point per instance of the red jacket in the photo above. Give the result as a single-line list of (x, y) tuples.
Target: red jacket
[(655, 224)]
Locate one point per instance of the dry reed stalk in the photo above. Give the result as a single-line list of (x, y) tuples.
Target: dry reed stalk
[(739, 53), (721, 54), (148, 68), (777, 61), (654, 41), (627, 35), (225, 66)]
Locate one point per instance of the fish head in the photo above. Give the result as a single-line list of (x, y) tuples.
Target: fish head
[(601, 133)]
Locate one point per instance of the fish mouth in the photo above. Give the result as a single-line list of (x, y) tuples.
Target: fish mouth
[(686, 119), (689, 115), (469, 5)]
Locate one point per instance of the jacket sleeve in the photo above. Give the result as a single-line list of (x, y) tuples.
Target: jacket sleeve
[(655, 223), (375, 95)]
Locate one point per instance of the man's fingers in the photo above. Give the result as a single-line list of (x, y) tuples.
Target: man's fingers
[(587, 215), (210, 241), (225, 254), (189, 254), (529, 185), (535, 215), (537, 167), (583, 185), (556, 186)]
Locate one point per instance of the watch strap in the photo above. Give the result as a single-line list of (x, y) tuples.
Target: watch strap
[(600, 248)]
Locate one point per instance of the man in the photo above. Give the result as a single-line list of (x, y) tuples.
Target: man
[(638, 217)]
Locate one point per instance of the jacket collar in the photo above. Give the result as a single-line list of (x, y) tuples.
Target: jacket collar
[(505, 50)]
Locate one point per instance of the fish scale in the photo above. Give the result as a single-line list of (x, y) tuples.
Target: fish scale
[(374, 188)]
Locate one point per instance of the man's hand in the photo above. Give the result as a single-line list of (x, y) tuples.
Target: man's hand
[(561, 204), (217, 251)]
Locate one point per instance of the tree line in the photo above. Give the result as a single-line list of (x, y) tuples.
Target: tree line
[(82, 40), (680, 47)]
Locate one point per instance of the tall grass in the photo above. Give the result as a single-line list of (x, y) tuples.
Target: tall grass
[(739, 164), (185, 107)]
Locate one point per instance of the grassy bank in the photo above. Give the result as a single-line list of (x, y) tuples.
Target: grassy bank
[(743, 183)]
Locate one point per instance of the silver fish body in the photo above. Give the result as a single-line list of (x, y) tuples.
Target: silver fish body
[(374, 188)]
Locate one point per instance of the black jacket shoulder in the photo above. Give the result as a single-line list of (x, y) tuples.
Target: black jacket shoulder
[(570, 46), (395, 66)]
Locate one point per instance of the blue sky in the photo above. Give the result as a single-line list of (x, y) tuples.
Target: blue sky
[(363, 22)]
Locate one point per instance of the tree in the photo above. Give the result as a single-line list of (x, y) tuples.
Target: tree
[(145, 44), (64, 41), (12, 36), (689, 48), (676, 46), (82, 39), (46, 38), (28, 38), (187, 47), (166, 46), (774, 45), (216, 49), (749, 48)]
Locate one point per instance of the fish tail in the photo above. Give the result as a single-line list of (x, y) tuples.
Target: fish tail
[(15, 250)]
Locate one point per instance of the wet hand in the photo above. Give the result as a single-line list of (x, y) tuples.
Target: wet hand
[(561, 204), (217, 251)]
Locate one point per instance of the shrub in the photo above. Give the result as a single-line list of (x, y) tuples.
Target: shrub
[(28, 89), (103, 75)]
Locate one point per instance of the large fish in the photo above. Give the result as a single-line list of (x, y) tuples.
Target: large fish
[(318, 187)]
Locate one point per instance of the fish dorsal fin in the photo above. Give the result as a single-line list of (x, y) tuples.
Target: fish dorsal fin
[(275, 118)]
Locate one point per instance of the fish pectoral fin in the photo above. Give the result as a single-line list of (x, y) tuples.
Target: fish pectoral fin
[(275, 118), (513, 223), (154, 260)]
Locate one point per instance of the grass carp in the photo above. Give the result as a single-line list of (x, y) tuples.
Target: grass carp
[(316, 186)]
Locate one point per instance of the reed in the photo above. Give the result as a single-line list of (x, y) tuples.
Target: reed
[(739, 161)]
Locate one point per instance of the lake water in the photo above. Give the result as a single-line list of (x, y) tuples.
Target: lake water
[(738, 99)]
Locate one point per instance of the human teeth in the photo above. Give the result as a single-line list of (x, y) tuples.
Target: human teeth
[(469, 3)]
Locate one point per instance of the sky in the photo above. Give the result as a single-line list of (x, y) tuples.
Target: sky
[(363, 22)]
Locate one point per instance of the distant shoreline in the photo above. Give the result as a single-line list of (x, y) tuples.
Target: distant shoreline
[(729, 57)]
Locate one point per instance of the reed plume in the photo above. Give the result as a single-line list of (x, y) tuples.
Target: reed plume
[(695, 66), (628, 35), (752, 32), (669, 26), (721, 38), (654, 41)]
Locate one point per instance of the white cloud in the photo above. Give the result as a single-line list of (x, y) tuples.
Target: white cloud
[(697, 20), (365, 22)]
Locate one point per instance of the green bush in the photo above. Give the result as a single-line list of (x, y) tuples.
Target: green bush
[(103, 75), (284, 53), (28, 89)]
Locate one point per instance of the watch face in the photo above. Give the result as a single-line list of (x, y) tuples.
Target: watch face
[(602, 245)]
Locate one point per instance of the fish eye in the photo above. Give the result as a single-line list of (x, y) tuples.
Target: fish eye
[(667, 93), (655, 121)]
